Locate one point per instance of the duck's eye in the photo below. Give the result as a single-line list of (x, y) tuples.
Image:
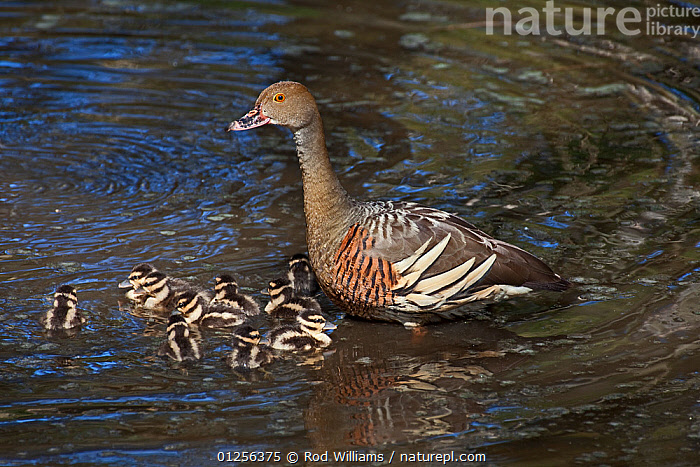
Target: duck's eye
[(279, 97)]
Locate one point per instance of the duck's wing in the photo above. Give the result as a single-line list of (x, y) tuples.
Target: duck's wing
[(414, 258)]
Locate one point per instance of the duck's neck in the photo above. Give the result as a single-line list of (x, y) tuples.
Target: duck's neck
[(326, 203)]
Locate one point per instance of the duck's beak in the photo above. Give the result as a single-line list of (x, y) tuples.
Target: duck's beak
[(329, 326), (125, 284), (252, 119)]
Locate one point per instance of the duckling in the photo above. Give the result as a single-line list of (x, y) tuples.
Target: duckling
[(247, 354), (306, 334), (302, 276), (195, 309), (65, 313), (226, 289), (284, 303), (191, 305), (179, 345), (160, 291), (135, 281), (155, 292)]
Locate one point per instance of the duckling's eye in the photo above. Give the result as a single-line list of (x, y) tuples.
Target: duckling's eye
[(279, 97)]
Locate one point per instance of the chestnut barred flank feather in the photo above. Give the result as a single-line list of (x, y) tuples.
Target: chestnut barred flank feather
[(393, 261)]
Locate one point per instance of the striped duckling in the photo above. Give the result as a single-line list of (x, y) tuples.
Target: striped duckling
[(307, 334), (285, 303), (64, 314), (247, 353), (160, 291), (227, 295), (302, 275), (135, 281), (196, 310), (179, 345)]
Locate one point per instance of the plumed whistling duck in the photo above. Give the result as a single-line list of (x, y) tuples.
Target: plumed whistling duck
[(387, 260)]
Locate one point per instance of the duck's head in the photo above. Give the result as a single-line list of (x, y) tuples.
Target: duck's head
[(281, 286), (65, 295), (177, 325), (225, 283), (153, 282), (137, 276), (246, 335), (280, 290), (300, 261), (301, 274), (286, 103), (188, 303), (314, 322)]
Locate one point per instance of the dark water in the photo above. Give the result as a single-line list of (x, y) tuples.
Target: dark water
[(583, 150)]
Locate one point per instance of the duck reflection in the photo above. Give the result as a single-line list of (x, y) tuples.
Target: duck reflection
[(385, 384)]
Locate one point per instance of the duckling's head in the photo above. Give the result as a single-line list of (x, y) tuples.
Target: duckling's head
[(281, 291), (246, 335), (137, 275), (300, 260), (281, 286), (177, 326), (300, 267), (286, 103), (65, 295), (225, 282), (224, 279), (314, 322), (302, 276), (154, 281), (190, 305)]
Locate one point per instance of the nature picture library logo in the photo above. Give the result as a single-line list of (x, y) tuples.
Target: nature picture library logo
[(630, 21)]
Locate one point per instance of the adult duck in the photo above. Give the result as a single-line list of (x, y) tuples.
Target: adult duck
[(387, 260)]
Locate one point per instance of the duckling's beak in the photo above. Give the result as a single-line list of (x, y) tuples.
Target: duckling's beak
[(252, 119), (329, 326), (125, 284)]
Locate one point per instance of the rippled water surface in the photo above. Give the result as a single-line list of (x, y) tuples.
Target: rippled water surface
[(583, 150)]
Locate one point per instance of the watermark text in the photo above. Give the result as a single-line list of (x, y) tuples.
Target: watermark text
[(630, 21)]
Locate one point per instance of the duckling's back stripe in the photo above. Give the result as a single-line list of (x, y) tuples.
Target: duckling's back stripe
[(359, 278)]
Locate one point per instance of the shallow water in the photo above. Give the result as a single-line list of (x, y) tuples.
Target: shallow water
[(583, 150)]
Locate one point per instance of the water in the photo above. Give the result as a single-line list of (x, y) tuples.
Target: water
[(582, 150)]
